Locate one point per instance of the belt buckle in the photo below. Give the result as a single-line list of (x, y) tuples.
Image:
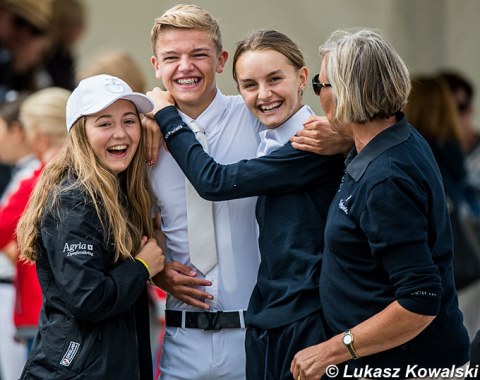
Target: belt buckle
[(210, 321)]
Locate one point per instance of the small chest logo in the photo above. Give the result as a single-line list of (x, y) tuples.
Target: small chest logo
[(70, 354), (79, 248), (342, 204)]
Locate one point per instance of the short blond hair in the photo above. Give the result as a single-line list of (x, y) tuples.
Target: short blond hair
[(187, 16)]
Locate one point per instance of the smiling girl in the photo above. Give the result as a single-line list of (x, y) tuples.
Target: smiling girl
[(87, 227)]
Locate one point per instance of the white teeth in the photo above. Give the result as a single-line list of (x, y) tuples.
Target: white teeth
[(270, 107), (118, 147), (187, 81)]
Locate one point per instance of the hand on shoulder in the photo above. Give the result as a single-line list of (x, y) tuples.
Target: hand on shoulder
[(160, 99)]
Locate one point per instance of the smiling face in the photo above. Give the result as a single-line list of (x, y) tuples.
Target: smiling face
[(186, 60), (114, 135), (270, 85)]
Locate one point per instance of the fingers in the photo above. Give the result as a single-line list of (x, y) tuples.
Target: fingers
[(183, 287), (315, 122), (305, 144), (311, 120), (160, 99), (196, 302), (153, 138), (158, 220), (153, 255), (192, 296), (177, 274), (183, 269)]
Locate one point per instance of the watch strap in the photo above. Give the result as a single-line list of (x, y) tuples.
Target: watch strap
[(350, 347)]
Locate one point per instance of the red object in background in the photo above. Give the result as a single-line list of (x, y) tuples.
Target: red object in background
[(157, 299), (28, 296)]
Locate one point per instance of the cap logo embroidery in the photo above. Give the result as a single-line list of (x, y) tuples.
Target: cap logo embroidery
[(113, 85)]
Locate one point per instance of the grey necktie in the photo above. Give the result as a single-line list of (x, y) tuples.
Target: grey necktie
[(201, 228)]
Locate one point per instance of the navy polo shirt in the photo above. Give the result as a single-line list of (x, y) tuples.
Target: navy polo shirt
[(295, 189), (387, 238)]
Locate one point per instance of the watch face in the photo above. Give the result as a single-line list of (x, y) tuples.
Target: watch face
[(347, 339)]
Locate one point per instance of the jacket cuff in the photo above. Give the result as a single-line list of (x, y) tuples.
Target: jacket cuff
[(169, 121)]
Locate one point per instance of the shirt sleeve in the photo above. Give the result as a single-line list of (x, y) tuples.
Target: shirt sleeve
[(398, 232), (79, 255), (283, 171)]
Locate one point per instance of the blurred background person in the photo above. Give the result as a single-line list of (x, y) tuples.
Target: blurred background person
[(15, 151), (433, 112), (442, 127), (463, 93), (42, 115), (5, 173), (24, 40), (68, 27), (119, 63)]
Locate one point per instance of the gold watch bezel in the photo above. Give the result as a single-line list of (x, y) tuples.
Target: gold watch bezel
[(347, 341)]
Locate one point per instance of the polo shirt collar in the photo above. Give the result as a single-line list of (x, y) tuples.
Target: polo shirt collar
[(356, 164)]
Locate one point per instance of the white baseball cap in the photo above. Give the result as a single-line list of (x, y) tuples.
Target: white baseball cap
[(98, 92)]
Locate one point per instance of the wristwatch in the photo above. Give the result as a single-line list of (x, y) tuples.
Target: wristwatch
[(348, 342)]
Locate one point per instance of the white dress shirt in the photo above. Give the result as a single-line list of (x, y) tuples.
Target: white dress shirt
[(233, 134)]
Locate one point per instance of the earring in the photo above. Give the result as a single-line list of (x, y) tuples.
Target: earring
[(301, 92)]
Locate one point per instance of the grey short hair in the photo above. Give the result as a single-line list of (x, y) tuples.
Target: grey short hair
[(369, 79)]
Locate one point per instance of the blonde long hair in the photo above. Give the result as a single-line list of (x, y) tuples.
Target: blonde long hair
[(124, 223)]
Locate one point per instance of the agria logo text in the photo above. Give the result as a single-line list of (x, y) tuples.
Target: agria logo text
[(79, 248)]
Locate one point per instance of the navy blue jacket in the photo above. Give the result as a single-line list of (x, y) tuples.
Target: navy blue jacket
[(94, 320), (295, 190), (388, 237)]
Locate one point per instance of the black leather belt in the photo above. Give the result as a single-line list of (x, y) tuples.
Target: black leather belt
[(6, 281), (206, 320)]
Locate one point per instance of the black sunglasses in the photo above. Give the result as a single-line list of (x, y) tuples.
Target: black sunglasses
[(317, 85)]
